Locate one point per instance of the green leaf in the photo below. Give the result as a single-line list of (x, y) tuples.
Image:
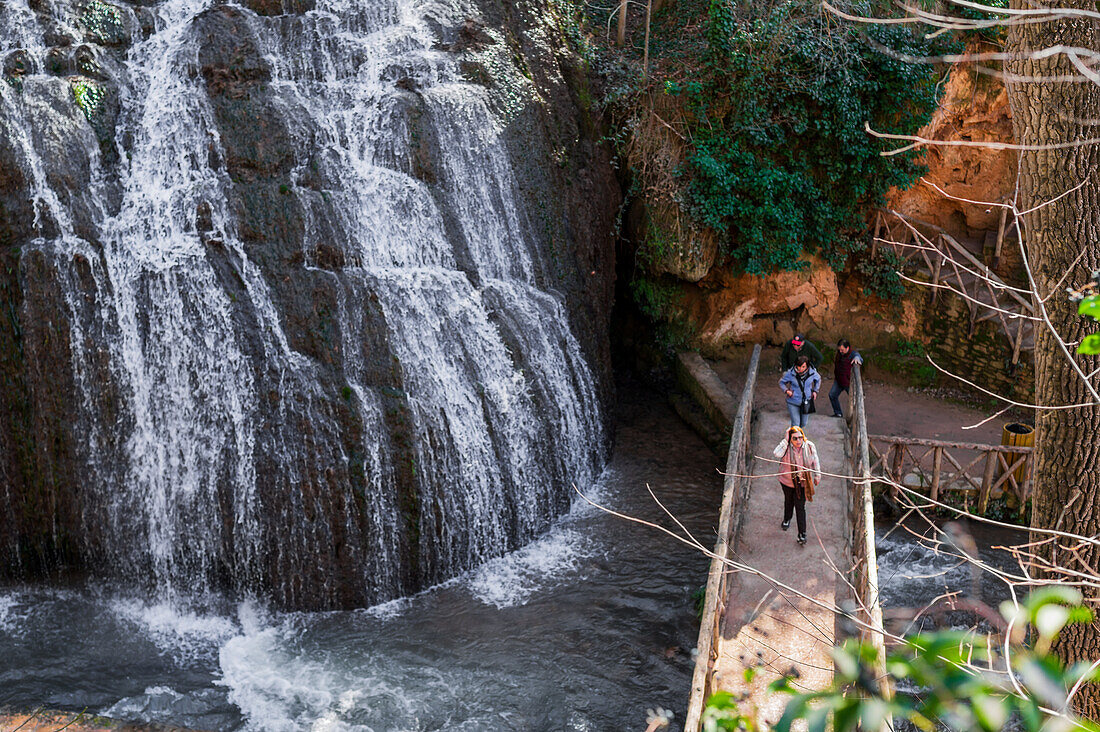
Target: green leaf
[(1091, 345), (992, 712), (1090, 306), (847, 666), (750, 674), (847, 715), (817, 719), (1050, 619), (721, 700), (1045, 683)]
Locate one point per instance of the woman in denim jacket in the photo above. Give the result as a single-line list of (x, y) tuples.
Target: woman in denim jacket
[(800, 385)]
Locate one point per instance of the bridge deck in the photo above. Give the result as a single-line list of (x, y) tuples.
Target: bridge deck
[(765, 624)]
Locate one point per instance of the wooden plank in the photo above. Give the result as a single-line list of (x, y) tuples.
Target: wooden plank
[(936, 279), (1019, 342), (869, 581), (987, 481), (964, 472), (997, 312), (965, 253), (986, 272)]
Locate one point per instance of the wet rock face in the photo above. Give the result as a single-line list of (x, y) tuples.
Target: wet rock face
[(318, 410)]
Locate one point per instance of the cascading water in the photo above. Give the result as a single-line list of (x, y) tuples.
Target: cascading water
[(317, 351)]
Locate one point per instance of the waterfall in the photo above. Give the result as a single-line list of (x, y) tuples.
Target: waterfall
[(331, 371)]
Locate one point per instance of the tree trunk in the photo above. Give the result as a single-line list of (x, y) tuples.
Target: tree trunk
[(1067, 451)]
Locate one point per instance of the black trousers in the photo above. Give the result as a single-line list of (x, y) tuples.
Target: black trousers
[(794, 503)]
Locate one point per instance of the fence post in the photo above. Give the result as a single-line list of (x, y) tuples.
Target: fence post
[(895, 467), (987, 480), (937, 458)]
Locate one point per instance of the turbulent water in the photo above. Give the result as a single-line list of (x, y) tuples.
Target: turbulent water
[(583, 630), (411, 402), (918, 565)]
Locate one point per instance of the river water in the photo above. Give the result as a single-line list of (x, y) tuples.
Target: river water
[(916, 567), (584, 629)]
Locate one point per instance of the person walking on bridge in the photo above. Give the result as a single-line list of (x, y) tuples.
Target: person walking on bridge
[(800, 385), (846, 358), (799, 346), (800, 472)]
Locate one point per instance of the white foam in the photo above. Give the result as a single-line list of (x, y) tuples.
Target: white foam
[(515, 578), (389, 610), (183, 633), (137, 707), (9, 617), (281, 687)]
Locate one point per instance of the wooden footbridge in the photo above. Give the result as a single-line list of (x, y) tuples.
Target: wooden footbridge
[(776, 607)]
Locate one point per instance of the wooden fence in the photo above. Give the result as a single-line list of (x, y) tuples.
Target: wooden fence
[(734, 495), (951, 266), (864, 559), (936, 466)]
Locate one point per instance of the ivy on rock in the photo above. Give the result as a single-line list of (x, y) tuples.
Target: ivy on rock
[(781, 163)]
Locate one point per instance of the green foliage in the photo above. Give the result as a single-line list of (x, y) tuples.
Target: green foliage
[(655, 297), (720, 29), (699, 601), (910, 348), (781, 163), (90, 97), (723, 711), (994, 32), (963, 681), (880, 275), (1088, 304)]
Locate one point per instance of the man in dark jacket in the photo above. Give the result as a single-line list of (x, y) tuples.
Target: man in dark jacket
[(799, 346), (842, 373)]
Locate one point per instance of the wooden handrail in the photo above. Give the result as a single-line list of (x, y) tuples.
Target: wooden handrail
[(924, 442), (1013, 462), (967, 255), (734, 491), (954, 244), (865, 558)]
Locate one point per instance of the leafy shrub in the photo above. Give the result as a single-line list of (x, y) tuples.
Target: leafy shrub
[(960, 680), (880, 275), (781, 163)]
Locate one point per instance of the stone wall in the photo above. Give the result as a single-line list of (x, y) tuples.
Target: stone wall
[(983, 356)]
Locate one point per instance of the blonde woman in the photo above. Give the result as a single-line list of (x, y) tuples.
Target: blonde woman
[(800, 472)]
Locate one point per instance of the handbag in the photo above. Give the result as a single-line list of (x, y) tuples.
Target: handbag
[(808, 406)]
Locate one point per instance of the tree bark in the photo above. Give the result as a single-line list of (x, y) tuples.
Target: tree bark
[(1067, 451)]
